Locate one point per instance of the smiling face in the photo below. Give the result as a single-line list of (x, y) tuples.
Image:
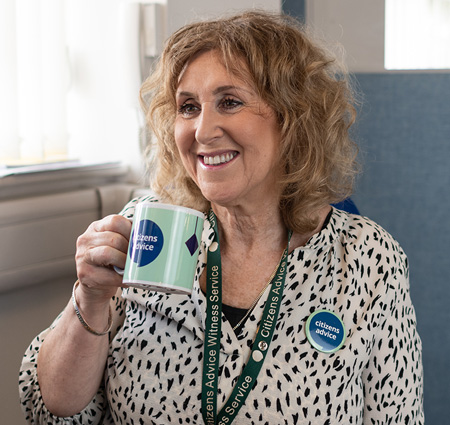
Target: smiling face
[(228, 138)]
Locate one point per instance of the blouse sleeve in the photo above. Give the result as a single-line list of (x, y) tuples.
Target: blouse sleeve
[(31, 399), (30, 394), (32, 404), (393, 379)]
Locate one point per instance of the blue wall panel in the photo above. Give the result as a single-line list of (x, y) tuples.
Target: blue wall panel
[(404, 136)]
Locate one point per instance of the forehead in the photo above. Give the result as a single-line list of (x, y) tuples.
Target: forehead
[(211, 65)]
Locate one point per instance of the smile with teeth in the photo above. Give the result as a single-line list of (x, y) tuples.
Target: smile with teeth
[(219, 159)]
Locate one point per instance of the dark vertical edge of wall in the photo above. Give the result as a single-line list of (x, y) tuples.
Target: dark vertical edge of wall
[(295, 8)]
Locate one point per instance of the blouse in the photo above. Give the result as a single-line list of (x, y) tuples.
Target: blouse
[(352, 268)]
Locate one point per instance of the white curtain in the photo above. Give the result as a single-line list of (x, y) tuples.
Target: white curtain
[(34, 80), (417, 34)]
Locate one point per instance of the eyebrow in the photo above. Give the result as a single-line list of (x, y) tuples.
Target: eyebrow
[(216, 91)]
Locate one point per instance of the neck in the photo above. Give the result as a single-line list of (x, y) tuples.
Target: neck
[(246, 237), (247, 228), (250, 227), (251, 243)]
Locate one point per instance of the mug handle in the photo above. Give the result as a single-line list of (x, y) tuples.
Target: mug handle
[(118, 270)]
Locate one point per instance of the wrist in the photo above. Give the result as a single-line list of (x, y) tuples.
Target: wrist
[(97, 324)]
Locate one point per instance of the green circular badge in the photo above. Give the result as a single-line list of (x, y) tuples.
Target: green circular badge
[(325, 331)]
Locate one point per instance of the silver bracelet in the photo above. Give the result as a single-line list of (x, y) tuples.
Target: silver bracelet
[(80, 317)]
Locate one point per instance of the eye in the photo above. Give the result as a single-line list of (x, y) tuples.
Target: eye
[(188, 109), (230, 103)]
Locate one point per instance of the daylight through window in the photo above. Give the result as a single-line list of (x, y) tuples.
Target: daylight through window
[(417, 34)]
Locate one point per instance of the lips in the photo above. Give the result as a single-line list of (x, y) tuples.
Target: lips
[(218, 159)]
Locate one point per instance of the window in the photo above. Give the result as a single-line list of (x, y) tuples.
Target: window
[(417, 34), (34, 78), (64, 95)]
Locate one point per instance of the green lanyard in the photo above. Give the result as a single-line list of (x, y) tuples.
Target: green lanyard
[(213, 333)]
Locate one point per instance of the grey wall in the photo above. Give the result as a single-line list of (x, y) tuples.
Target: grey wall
[(404, 135), (23, 314)]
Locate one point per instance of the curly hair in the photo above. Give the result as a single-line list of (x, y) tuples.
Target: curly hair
[(303, 84)]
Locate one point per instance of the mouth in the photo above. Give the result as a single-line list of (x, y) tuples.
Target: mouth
[(221, 159)]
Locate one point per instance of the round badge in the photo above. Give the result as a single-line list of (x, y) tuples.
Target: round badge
[(325, 331)]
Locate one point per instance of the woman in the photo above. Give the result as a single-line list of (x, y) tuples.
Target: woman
[(251, 125)]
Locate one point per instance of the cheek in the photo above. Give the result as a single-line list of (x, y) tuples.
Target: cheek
[(184, 136), (184, 144), (179, 137)]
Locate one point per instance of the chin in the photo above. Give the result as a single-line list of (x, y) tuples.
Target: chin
[(218, 194), (222, 200)]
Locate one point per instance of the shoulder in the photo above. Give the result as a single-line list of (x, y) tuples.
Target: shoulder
[(366, 241), (354, 241), (363, 232)]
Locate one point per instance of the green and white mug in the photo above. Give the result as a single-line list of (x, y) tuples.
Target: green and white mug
[(163, 248)]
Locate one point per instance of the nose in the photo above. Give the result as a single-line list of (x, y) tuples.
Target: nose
[(208, 124)]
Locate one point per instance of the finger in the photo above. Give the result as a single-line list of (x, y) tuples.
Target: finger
[(114, 223), (106, 239), (113, 231), (102, 256)]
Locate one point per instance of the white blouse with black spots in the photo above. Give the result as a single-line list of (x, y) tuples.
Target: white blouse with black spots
[(352, 267)]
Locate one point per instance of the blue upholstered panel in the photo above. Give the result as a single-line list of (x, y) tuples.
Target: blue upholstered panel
[(404, 134), (347, 205)]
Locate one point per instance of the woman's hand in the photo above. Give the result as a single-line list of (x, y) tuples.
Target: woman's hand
[(103, 245)]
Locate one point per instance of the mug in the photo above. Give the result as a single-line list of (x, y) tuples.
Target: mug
[(163, 248)]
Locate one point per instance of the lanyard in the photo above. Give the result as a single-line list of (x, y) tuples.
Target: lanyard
[(213, 333)]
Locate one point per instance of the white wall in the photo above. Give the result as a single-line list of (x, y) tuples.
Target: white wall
[(357, 25), (182, 12)]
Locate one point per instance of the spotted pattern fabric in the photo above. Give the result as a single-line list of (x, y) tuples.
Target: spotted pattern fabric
[(352, 267)]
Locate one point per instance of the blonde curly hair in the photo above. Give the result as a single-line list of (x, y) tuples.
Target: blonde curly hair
[(306, 88)]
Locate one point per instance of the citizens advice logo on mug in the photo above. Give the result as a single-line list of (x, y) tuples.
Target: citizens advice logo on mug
[(163, 248)]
